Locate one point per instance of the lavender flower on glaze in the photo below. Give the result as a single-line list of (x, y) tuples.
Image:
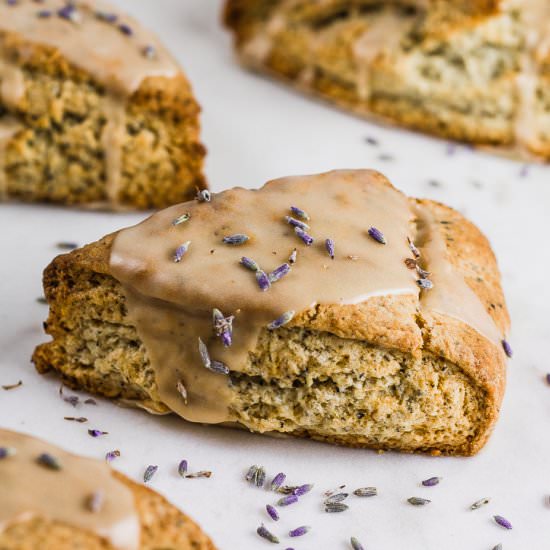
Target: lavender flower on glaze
[(282, 320), (300, 213), (6, 452), (263, 280), (249, 263), (235, 240), (425, 284), (292, 257), (94, 502), (272, 512), (299, 531), (182, 219), (49, 461), (204, 196), (182, 390), (223, 327), (377, 235), (181, 251), (296, 223), (329, 245), (307, 239), (149, 51), (125, 29), (279, 273)]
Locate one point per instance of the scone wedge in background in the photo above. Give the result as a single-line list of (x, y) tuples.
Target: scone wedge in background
[(93, 110), (98, 508), (328, 306), (472, 71)]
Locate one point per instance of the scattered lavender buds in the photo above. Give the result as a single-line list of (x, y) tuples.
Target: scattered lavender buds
[(329, 245), (417, 501), (288, 500), (377, 235), (300, 213), (431, 482), (272, 512), (265, 534), (197, 475), (279, 273), (96, 433), (507, 349), (94, 502), (299, 531), (503, 522), (413, 249), (292, 257), (296, 223), (150, 471), (111, 455), (235, 240), (355, 544), (263, 280), (281, 321), (479, 503), (335, 507), (181, 251), (182, 390), (287, 489), (79, 419), (6, 452), (204, 196), (223, 327), (182, 468), (8, 387), (49, 461), (365, 492), (210, 364), (181, 219), (307, 239), (425, 284), (277, 481), (337, 497), (125, 29), (249, 263), (251, 472), (302, 489)]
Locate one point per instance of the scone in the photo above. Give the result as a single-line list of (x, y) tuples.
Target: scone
[(473, 71), (93, 110), (54, 500), (300, 308)]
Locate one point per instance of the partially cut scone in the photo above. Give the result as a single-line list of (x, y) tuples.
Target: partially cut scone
[(54, 500), (93, 110), (470, 71), (328, 306)]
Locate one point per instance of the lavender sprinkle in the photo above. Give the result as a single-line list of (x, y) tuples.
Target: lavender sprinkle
[(69, 13), (281, 321), (249, 263), (125, 29), (287, 489), (106, 16), (272, 512), (300, 213), (296, 223), (96, 433), (431, 482), (49, 461), (548, 378), (338, 497), (8, 387), (307, 239), (150, 471), (149, 51), (377, 235), (6, 452), (279, 273), (413, 249), (79, 419), (425, 284), (223, 327), (72, 400), (503, 522), (219, 367), (417, 501), (197, 475), (303, 489), (355, 544), (335, 507), (182, 468), (235, 240), (497, 547), (259, 477), (204, 196), (182, 390), (507, 349), (111, 455), (94, 502), (251, 472), (44, 14), (292, 257), (366, 492), (479, 503), (277, 481), (288, 500), (299, 531), (329, 245), (263, 280), (181, 219), (181, 251), (265, 534)]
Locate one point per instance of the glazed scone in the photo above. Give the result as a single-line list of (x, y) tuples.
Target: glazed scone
[(470, 71), (98, 508), (177, 314), (93, 110)]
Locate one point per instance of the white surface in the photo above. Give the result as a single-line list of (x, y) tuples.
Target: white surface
[(256, 130)]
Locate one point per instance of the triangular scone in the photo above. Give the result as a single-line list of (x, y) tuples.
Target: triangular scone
[(54, 500), (470, 71), (301, 308), (93, 110)]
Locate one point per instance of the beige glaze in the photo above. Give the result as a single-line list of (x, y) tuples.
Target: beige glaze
[(112, 140), (171, 303), (32, 490)]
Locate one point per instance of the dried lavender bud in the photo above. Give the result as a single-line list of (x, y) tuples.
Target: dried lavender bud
[(296, 223), (251, 473), (497, 547), (259, 477), (236, 240), (125, 29), (287, 489), (90, 401), (79, 419), (282, 320), (287, 501), (417, 501), (96, 433), (272, 512), (366, 492), (507, 349), (69, 13), (219, 367), (204, 196), (292, 257), (548, 378), (8, 387), (72, 400), (223, 327), (425, 284), (249, 263), (331, 492), (6, 452), (303, 489), (307, 239), (335, 507), (299, 531), (263, 280), (182, 390), (300, 213), (182, 219), (355, 544), (48, 461), (329, 245), (377, 235), (265, 534), (277, 481), (150, 471), (182, 468), (479, 503), (181, 251), (94, 502), (106, 16), (197, 475), (338, 497), (279, 273), (64, 245), (431, 482), (413, 249), (205, 356), (149, 51), (111, 455), (503, 522)]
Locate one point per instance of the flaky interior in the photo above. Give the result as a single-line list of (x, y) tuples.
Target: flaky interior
[(296, 381)]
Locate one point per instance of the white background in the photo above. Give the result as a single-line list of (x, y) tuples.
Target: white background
[(256, 130)]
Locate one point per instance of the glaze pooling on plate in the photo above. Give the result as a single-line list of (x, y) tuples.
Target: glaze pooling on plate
[(171, 303)]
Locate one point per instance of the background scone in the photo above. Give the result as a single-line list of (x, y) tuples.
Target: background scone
[(205, 310), (98, 508), (93, 110), (472, 71)]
